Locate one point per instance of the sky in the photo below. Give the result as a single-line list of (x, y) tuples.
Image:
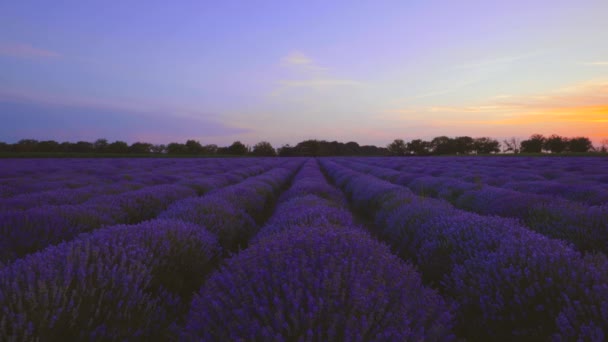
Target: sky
[(285, 71)]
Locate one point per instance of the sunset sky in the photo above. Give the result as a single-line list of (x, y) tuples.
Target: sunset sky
[(285, 71)]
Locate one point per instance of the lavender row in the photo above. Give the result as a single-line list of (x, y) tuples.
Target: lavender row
[(120, 282), (509, 283), (128, 281), (54, 174), (234, 213), (581, 170), (313, 275), (584, 226), (65, 195), (309, 202), (583, 180), (31, 230)]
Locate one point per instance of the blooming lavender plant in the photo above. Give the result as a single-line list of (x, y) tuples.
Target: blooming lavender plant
[(121, 282), (523, 285), (317, 284)]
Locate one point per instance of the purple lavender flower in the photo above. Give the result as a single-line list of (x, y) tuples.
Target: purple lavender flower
[(318, 284)]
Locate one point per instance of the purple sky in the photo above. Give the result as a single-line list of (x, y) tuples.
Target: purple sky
[(286, 71)]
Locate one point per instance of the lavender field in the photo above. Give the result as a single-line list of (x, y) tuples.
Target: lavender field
[(304, 249)]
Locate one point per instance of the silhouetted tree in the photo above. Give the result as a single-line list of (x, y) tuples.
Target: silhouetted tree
[(263, 148), (140, 147), (237, 148), (397, 148), (443, 145), (286, 151), (48, 146), (210, 149), (580, 144), (604, 145), (463, 145), (118, 147), (177, 148), (66, 146), (83, 147), (555, 143), (308, 148), (485, 145), (533, 145), (352, 149), (194, 147), (371, 150), (100, 146), (26, 145), (159, 149), (4, 147), (419, 147), (512, 145)]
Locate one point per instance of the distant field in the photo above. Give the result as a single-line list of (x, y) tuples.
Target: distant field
[(310, 249)]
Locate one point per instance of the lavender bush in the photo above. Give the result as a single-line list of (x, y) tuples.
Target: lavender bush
[(317, 284)]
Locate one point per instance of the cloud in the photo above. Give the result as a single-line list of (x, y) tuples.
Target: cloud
[(299, 60), (497, 61), (598, 63), (581, 109), (44, 120), (26, 51), (309, 76), (320, 83), (296, 58)]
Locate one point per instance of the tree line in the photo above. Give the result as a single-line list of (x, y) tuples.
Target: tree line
[(443, 145)]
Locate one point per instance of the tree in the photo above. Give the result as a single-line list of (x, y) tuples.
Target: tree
[(26, 145), (443, 145), (48, 146), (118, 147), (140, 148), (512, 145), (177, 148), (66, 146), (352, 148), (194, 147), (4, 147), (83, 147), (533, 145), (158, 149), (419, 147), (463, 145), (397, 148), (237, 148), (580, 144), (100, 145), (286, 151), (555, 144), (308, 148), (263, 148), (210, 149), (604, 146), (485, 145)]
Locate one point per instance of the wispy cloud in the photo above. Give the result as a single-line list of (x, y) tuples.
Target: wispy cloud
[(580, 109), (297, 59), (491, 62), (320, 83), (26, 51), (309, 75), (49, 116), (598, 63)]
